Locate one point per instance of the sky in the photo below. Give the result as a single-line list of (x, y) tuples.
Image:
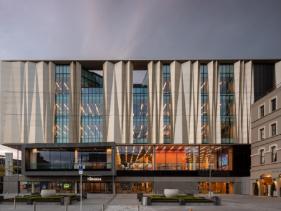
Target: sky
[(139, 29)]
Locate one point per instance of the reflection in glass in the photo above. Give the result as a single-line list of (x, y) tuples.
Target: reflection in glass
[(227, 105), (92, 104), (44, 159), (95, 158), (62, 93), (204, 103), (167, 109), (140, 107), (173, 157), (135, 157), (51, 159)]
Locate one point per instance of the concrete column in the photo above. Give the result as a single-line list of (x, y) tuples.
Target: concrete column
[(75, 188), (268, 190), (276, 192), (32, 187), (259, 186), (118, 101)]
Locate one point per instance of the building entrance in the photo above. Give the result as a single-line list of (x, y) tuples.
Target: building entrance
[(267, 186), (216, 187), (97, 187)]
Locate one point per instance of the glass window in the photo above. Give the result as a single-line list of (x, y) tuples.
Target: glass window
[(261, 133), (273, 104), (204, 103), (273, 154), (262, 157), (62, 102), (96, 158), (92, 105), (167, 109), (52, 159), (261, 111), (137, 157), (273, 129), (62, 159), (173, 158), (140, 107), (227, 102)]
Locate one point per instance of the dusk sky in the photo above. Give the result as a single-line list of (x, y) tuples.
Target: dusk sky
[(144, 29)]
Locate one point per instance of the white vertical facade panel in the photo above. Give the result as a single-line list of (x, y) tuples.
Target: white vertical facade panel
[(155, 101), (217, 105), (248, 96), (196, 103), (243, 95), (186, 103), (186, 72), (26, 110), (50, 104), (238, 85), (278, 73), (214, 103), (118, 101), (128, 109), (75, 102), (212, 97), (179, 129)]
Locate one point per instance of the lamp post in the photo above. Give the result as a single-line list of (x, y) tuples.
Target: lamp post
[(80, 171)]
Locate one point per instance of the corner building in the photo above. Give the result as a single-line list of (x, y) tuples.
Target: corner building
[(137, 126)]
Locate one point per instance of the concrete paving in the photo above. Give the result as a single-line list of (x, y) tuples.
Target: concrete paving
[(128, 202)]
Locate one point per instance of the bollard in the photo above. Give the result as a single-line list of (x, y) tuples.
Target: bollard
[(138, 207), (102, 207), (66, 207), (15, 206), (34, 206)]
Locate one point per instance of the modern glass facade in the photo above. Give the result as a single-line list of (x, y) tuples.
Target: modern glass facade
[(173, 157), (92, 107), (140, 109), (65, 158), (227, 104), (204, 103), (167, 109), (62, 99)]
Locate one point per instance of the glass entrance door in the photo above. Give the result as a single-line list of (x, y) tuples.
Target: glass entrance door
[(97, 187)]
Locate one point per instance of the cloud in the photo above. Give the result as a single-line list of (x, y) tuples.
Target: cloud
[(144, 29)]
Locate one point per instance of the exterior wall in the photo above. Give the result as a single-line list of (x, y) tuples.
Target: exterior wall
[(185, 102), (27, 102), (155, 108), (75, 102), (243, 76), (118, 102), (269, 168), (278, 73)]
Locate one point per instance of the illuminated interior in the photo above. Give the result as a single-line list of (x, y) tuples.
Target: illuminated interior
[(173, 157)]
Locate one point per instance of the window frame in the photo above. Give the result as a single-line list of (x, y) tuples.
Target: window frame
[(262, 156), (259, 111), (271, 153), (270, 103), (276, 132), (259, 133)]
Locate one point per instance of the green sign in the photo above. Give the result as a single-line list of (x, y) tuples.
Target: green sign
[(66, 186)]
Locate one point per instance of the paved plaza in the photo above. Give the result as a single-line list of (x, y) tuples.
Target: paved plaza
[(128, 202)]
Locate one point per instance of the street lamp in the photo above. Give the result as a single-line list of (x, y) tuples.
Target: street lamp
[(80, 172)]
